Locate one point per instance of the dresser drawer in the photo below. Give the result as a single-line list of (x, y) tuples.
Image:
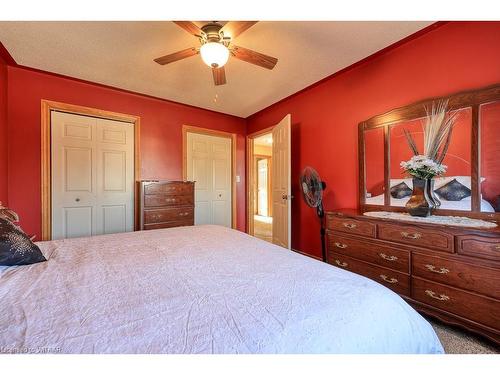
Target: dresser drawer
[(415, 236), (478, 279), (169, 224), (155, 200), (168, 214), (174, 188), (370, 251), (481, 309), (353, 226), (479, 247), (397, 281)]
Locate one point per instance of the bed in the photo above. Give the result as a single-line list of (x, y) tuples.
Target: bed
[(199, 289), (462, 205)]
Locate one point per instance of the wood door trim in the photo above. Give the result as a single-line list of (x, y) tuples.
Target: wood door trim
[(215, 133), (250, 175), (45, 156)]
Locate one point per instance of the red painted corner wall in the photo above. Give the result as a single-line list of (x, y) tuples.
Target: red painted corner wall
[(454, 57), (3, 131), (161, 134)]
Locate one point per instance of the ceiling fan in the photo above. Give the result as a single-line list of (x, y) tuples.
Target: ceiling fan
[(216, 45)]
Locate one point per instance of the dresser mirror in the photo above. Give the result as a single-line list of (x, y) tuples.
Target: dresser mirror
[(374, 150), (472, 160), (457, 160), (489, 162), (400, 184)]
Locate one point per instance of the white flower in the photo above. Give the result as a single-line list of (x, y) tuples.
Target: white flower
[(422, 167)]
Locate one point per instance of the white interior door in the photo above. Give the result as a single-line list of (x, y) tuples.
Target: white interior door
[(281, 187), (209, 165), (92, 176)]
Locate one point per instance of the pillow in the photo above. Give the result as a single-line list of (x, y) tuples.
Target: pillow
[(464, 180), (400, 191), (453, 191), (16, 248), (396, 181)]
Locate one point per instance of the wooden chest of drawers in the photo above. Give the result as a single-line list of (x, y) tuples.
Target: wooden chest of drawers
[(450, 273), (166, 204)]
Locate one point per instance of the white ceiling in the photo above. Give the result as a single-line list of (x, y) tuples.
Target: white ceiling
[(121, 54)]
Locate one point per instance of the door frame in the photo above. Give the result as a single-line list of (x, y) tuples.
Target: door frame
[(250, 176), (47, 106), (214, 133)]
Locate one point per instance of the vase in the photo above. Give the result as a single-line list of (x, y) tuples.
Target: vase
[(420, 203), (432, 195)]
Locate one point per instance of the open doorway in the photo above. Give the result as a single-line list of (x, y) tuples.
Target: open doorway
[(269, 214), (261, 214)]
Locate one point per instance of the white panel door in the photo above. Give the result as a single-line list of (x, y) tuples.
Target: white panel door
[(92, 176), (281, 186), (209, 165)]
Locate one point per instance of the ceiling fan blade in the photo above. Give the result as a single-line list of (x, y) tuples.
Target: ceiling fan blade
[(253, 57), (190, 27), (235, 28), (219, 75), (167, 59)]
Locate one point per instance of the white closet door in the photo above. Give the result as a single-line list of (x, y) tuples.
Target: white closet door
[(92, 176), (282, 187), (209, 165)]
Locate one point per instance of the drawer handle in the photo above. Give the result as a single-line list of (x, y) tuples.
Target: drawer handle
[(390, 258), (442, 270), (411, 236), (391, 280), (441, 297), (350, 225), (340, 245), (341, 264), (184, 214), (497, 247)]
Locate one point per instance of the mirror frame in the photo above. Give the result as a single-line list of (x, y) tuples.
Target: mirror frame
[(467, 99)]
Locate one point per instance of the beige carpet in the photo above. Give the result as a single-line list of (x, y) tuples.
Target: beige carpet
[(263, 228), (458, 341)]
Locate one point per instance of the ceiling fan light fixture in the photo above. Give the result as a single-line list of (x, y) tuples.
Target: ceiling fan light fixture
[(214, 54)]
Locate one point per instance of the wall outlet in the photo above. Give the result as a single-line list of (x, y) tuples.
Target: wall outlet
[(238, 179)]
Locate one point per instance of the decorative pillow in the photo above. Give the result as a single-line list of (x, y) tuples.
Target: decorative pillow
[(16, 248), (396, 181), (453, 191), (400, 191)]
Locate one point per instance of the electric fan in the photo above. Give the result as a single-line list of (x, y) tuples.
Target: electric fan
[(312, 190)]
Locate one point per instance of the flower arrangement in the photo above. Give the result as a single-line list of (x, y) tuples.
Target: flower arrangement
[(437, 128), (421, 166)]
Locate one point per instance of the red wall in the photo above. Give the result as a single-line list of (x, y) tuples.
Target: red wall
[(161, 135), (3, 131), (454, 57)]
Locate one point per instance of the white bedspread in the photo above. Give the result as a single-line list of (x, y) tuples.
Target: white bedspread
[(204, 289)]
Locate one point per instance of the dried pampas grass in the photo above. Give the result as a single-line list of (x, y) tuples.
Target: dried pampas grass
[(438, 127)]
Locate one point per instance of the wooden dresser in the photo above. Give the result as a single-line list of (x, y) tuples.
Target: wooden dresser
[(165, 204), (450, 273)]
